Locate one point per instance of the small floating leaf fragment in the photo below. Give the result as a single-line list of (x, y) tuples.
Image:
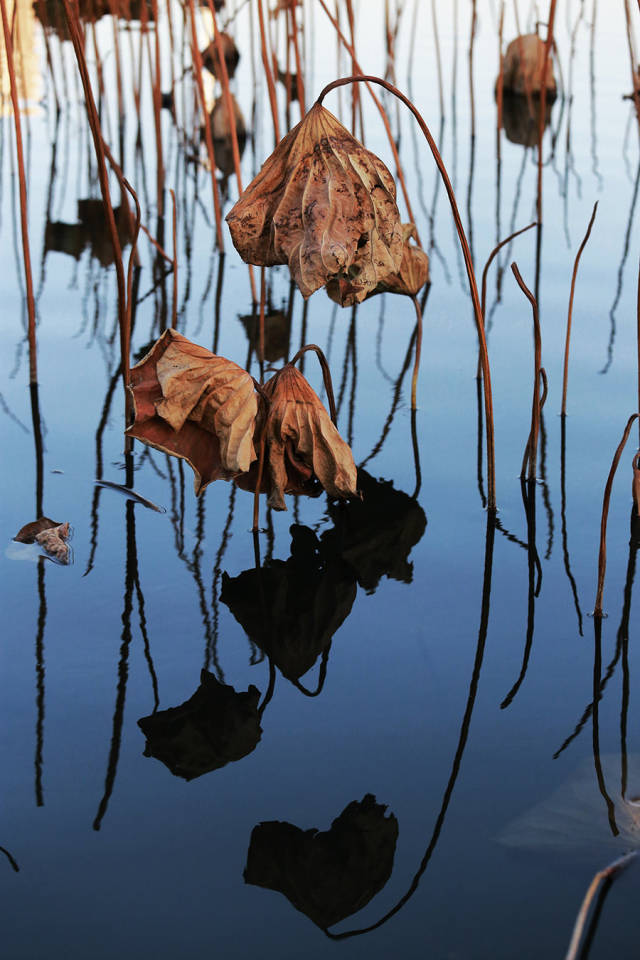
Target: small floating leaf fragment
[(50, 535), (130, 494)]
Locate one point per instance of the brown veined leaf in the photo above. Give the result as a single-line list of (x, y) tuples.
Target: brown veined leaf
[(324, 205), (523, 68), (408, 280), (193, 404), (30, 531), (304, 451)]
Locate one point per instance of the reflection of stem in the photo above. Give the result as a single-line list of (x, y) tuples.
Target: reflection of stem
[(530, 459), (563, 514), (416, 453), (597, 668), (529, 499), (625, 254), (396, 399), (123, 665), (462, 740), (416, 362), (42, 619), (11, 860), (212, 647), (37, 439), (602, 556)]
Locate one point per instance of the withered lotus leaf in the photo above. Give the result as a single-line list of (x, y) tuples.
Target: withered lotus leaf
[(523, 69), (302, 444), (30, 531), (323, 204), (190, 403), (408, 280)]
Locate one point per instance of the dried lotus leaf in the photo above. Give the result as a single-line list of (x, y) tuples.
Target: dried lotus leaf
[(408, 280), (192, 404), (322, 204), (30, 531), (523, 69), (300, 433), (53, 540)]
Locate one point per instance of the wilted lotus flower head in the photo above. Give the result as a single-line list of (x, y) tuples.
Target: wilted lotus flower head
[(409, 279), (323, 204), (302, 444), (523, 69), (193, 404)]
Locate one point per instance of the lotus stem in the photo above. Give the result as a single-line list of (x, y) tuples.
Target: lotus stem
[(473, 286), (602, 556), (197, 61), (531, 451), (543, 102), (271, 87), (602, 875), (263, 440), (26, 254), (492, 256), (565, 378), (638, 327), (416, 363), (99, 146), (326, 376), (174, 301), (156, 83), (263, 296)]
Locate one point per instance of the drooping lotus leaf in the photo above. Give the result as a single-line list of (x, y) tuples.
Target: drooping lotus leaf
[(292, 608), (575, 817), (193, 404), (324, 205), (408, 280), (376, 534), (212, 728), (303, 447), (523, 68), (326, 875)]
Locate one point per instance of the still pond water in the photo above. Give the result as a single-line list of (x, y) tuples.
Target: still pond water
[(420, 662)]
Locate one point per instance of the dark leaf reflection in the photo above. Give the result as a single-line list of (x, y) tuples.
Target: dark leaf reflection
[(377, 533), (326, 875), (292, 608), (212, 728), (521, 119)]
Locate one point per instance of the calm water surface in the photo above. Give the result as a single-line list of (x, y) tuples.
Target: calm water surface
[(412, 659)]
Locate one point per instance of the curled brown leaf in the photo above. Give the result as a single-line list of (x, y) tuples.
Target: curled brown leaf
[(190, 403)]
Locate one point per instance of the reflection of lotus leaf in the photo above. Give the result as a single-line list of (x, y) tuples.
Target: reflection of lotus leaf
[(521, 119), (213, 727), (277, 333), (305, 599), (375, 535), (575, 816), (327, 876)]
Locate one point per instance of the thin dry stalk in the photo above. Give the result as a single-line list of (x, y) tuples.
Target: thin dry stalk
[(416, 362), (531, 450), (296, 50), (500, 87), (326, 376), (174, 301), (473, 286), (271, 87), (26, 255), (356, 105), (543, 101), (635, 92), (602, 556), (263, 442), (606, 874), (436, 40), (380, 108), (231, 114), (99, 147), (156, 84), (197, 61), (638, 331), (565, 378), (492, 257), (263, 298)]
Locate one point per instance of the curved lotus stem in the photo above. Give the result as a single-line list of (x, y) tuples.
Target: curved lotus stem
[(326, 376), (416, 363), (565, 377), (602, 556), (473, 286), (531, 450)]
